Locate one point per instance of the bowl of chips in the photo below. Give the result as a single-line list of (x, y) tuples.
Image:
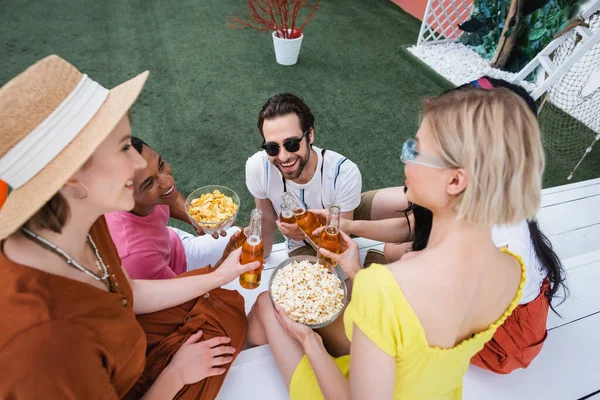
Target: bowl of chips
[(309, 289), (212, 208)]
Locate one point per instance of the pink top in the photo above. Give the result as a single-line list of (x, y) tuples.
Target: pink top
[(148, 248)]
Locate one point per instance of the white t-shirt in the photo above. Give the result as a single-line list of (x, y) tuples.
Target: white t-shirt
[(338, 182), (518, 240)]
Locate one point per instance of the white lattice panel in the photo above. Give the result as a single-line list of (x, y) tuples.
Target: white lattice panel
[(441, 20)]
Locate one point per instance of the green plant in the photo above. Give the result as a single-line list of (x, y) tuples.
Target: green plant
[(543, 20)]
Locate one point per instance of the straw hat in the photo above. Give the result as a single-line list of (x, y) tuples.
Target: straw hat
[(52, 118)]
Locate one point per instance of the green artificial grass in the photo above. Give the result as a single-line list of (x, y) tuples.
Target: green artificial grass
[(208, 82)]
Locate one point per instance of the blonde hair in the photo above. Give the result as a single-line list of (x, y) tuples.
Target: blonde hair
[(495, 138)]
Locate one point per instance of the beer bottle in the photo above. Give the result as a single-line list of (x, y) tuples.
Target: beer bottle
[(287, 214), (306, 220), (331, 239), (252, 250)]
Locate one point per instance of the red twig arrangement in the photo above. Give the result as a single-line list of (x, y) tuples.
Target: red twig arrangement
[(276, 15)]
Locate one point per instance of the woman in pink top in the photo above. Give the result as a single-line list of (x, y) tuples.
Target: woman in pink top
[(148, 247)]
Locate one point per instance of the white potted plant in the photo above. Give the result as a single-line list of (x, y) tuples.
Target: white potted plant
[(280, 17)]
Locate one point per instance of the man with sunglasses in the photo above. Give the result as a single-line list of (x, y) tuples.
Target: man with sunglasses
[(290, 163)]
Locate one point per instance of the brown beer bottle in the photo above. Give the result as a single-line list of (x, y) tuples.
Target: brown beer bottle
[(331, 239), (252, 250), (304, 218), (287, 214)]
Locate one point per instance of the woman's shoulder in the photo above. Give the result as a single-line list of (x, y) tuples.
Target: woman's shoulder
[(412, 265), (379, 287)]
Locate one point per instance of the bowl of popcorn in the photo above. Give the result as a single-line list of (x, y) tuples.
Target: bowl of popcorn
[(310, 290), (212, 208)]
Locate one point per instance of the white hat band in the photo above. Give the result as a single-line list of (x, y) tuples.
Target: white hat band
[(49, 138)]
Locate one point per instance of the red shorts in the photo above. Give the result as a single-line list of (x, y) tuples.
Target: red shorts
[(519, 340)]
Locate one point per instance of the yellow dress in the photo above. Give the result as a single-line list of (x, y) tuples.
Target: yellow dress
[(381, 311)]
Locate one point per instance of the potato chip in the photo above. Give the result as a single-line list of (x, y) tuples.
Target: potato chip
[(212, 208)]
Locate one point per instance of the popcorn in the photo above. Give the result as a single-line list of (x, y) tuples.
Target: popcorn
[(309, 293)]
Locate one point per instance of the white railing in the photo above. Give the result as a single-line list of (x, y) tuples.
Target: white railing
[(554, 64), (441, 20)]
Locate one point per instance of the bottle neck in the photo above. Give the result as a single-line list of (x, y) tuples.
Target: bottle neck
[(286, 211), (255, 227), (290, 203), (334, 221)]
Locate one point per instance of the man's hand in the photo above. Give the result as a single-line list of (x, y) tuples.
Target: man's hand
[(215, 235), (177, 210), (291, 231), (321, 214)]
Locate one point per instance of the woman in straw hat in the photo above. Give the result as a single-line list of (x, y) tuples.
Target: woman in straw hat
[(69, 328)]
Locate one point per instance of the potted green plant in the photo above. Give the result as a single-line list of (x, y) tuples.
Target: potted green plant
[(281, 18)]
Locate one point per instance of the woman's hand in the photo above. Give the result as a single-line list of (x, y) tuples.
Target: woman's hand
[(294, 329), (231, 268), (323, 217), (230, 248), (349, 259), (196, 360)]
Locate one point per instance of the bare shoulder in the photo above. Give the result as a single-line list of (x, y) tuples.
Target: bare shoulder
[(512, 261), (412, 264), (417, 272), (508, 273), (454, 295)]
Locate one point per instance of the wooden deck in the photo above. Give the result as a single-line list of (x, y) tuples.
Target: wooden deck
[(568, 366)]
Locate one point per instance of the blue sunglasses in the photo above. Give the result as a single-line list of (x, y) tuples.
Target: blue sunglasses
[(410, 154)]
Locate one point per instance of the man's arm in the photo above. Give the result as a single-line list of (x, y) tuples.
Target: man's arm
[(177, 209), (348, 215), (268, 224), (391, 230)]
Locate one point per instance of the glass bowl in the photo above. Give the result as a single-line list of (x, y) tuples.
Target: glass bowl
[(331, 269), (212, 227)]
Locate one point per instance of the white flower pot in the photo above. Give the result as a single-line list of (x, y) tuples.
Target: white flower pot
[(287, 50)]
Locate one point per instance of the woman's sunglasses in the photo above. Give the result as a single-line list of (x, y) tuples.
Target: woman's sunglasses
[(410, 154), (291, 145)]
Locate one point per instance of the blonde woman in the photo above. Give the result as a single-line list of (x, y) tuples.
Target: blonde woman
[(69, 328), (414, 325)]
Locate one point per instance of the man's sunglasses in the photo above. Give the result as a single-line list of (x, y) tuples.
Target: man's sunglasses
[(291, 145)]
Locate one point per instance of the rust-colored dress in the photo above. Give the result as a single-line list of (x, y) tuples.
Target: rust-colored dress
[(63, 339)]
